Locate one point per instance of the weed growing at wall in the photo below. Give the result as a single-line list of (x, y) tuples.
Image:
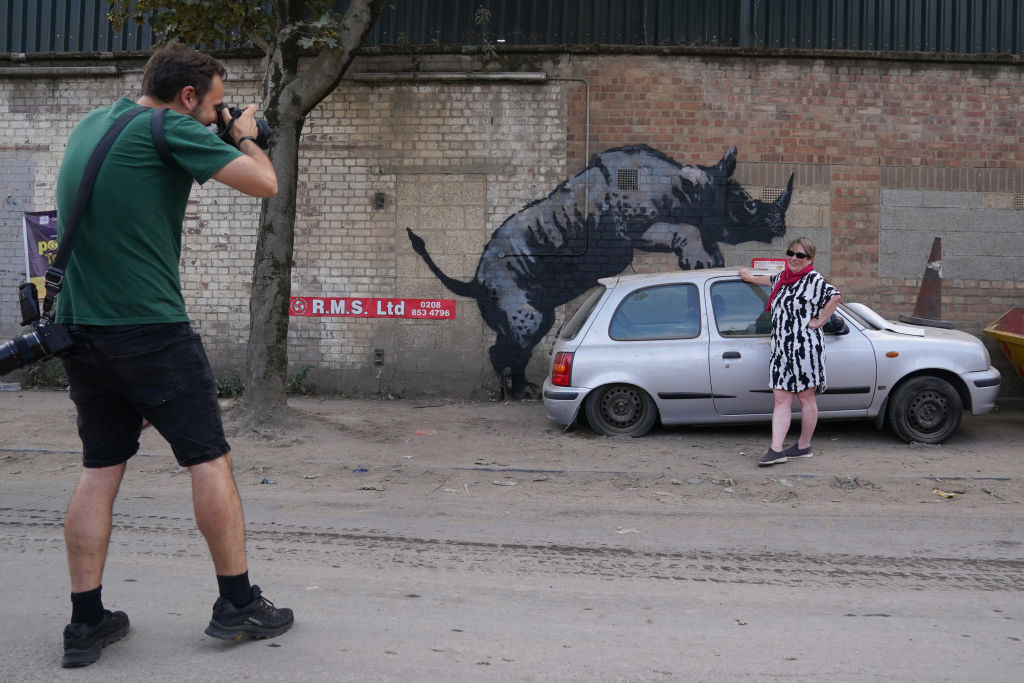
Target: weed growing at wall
[(298, 384), (230, 386)]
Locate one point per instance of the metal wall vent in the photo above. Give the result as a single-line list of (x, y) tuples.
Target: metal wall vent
[(769, 193), (628, 179), (1018, 201)]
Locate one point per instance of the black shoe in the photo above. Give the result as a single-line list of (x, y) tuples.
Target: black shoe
[(83, 643), (772, 458), (794, 452), (258, 619)]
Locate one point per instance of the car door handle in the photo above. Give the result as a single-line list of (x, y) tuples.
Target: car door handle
[(729, 355)]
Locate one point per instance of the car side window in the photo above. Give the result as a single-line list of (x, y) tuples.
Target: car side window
[(739, 308), (662, 312)]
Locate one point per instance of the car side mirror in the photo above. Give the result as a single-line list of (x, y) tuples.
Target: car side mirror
[(836, 325)]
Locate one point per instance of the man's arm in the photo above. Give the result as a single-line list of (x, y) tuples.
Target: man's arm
[(253, 173)]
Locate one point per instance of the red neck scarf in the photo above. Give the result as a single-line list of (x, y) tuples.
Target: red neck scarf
[(788, 277)]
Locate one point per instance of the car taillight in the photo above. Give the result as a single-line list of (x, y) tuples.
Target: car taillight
[(561, 369)]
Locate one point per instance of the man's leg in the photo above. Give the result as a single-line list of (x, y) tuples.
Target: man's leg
[(241, 611), (190, 421), (87, 525), (87, 537), (219, 516)]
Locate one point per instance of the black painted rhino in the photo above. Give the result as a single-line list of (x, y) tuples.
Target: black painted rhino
[(556, 248)]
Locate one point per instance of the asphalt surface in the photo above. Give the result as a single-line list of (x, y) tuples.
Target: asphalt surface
[(490, 581)]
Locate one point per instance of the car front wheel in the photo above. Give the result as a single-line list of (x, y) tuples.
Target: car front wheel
[(621, 410), (925, 409)]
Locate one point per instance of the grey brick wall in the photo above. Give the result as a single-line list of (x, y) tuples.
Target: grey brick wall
[(16, 175)]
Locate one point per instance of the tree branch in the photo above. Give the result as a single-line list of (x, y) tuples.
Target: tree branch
[(326, 71)]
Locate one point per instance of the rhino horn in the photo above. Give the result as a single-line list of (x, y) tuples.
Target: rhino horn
[(783, 201), (727, 165)]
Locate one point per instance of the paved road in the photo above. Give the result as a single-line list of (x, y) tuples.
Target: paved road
[(419, 592), (405, 561)]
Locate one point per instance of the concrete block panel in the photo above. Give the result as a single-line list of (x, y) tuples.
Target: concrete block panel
[(803, 216), (963, 200), (899, 198), (810, 197), (440, 218), (998, 200), (414, 191), (461, 190), (978, 242)]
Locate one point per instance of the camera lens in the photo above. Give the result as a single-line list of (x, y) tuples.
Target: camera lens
[(20, 351), (263, 133)]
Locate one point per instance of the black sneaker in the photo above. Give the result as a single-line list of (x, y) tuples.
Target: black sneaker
[(794, 452), (258, 619), (83, 643), (772, 458)]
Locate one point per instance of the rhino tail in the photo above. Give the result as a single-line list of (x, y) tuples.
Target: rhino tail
[(472, 289)]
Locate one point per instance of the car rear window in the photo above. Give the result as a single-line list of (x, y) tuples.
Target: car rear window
[(576, 320), (662, 312)]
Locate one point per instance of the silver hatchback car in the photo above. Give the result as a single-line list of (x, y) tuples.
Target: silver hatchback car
[(691, 347)]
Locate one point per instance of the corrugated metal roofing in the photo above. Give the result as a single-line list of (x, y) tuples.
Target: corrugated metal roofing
[(558, 22), (940, 26), (65, 26), (945, 26)]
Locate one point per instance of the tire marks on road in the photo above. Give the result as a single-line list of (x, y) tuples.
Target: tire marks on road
[(35, 529)]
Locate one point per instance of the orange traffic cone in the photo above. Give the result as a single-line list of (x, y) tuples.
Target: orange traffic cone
[(928, 309)]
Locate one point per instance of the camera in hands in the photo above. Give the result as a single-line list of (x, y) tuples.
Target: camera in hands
[(262, 134), (45, 341)]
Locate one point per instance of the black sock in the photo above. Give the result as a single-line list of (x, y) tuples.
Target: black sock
[(236, 589), (87, 607)]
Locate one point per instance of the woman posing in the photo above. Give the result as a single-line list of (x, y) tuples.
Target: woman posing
[(801, 302)]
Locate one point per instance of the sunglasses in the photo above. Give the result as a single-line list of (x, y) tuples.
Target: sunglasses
[(798, 254)]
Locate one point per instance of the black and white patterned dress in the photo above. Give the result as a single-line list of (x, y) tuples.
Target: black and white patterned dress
[(798, 353)]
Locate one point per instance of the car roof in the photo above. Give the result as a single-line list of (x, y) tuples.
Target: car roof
[(644, 279)]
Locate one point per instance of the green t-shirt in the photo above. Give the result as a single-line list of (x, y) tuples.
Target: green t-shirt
[(124, 265)]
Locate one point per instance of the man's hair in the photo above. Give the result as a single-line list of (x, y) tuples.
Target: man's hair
[(175, 66)]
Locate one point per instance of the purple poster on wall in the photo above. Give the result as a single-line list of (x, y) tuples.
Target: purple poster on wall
[(40, 244)]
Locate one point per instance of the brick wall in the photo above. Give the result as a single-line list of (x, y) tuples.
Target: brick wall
[(882, 152), (860, 136)]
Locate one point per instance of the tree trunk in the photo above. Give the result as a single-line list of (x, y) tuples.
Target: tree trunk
[(288, 97), (265, 398)]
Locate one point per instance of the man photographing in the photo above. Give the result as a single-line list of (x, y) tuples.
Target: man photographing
[(134, 356)]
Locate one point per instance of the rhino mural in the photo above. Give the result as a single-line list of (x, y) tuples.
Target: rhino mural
[(556, 248)]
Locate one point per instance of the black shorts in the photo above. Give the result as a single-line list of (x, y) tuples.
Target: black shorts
[(122, 374)]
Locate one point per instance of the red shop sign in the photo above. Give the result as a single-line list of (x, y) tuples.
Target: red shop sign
[(348, 307)]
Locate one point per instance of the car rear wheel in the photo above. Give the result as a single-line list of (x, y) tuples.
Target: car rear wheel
[(621, 410), (925, 409)]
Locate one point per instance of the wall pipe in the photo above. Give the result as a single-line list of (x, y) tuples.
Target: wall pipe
[(526, 76), (57, 71)]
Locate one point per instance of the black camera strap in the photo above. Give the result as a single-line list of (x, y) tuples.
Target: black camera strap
[(156, 129), (55, 274)]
